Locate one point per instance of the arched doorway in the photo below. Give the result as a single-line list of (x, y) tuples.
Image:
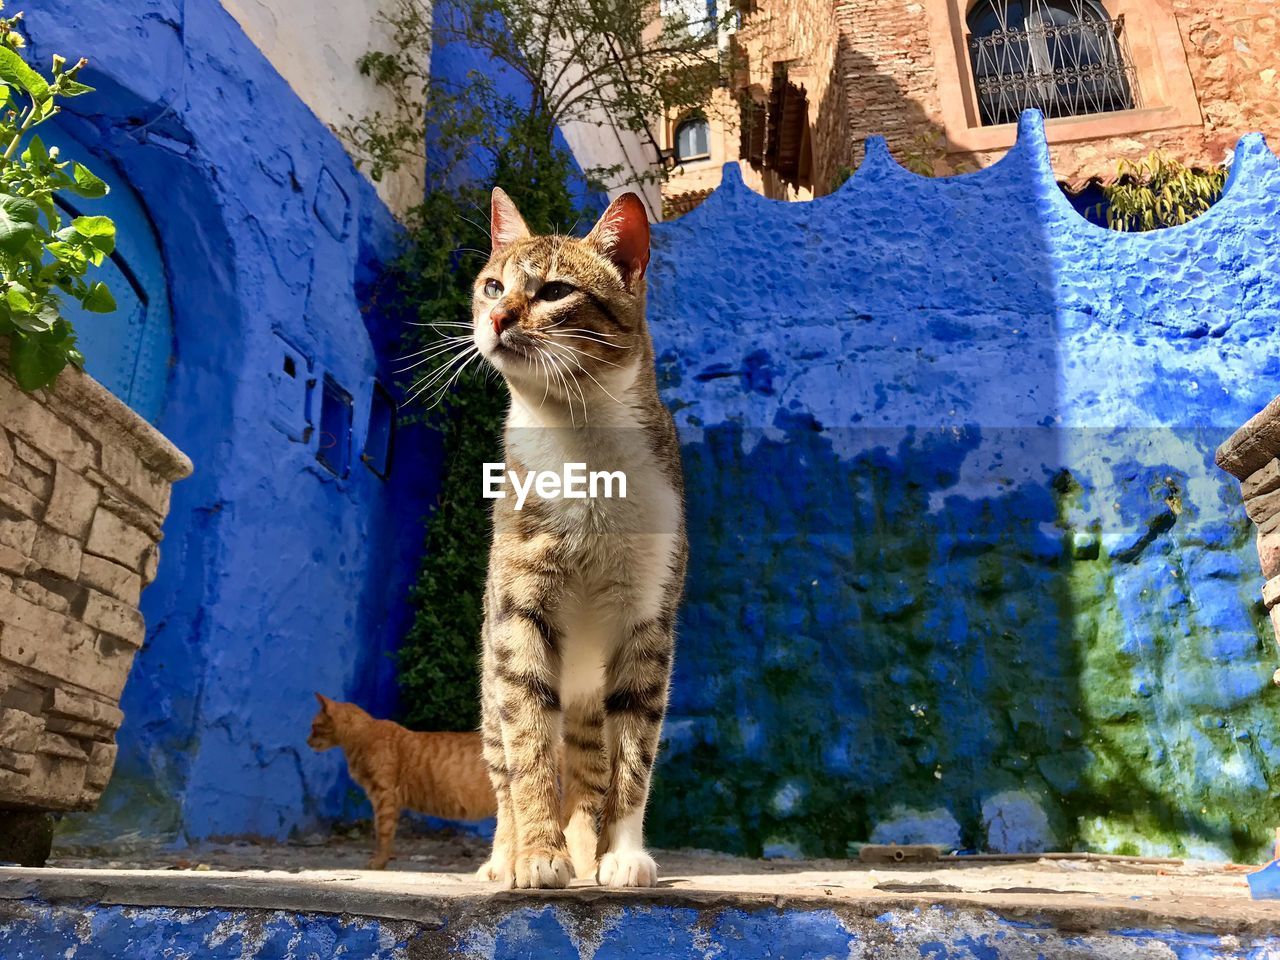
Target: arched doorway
[(128, 351)]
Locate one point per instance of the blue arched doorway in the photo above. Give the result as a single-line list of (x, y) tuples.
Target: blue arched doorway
[(128, 351)]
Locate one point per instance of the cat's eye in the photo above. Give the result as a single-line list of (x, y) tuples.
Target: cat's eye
[(555, 290), (492, 289)]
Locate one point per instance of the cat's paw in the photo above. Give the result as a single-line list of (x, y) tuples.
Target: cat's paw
[(377, 863), (627, 868), (542, 869), (499, 869)]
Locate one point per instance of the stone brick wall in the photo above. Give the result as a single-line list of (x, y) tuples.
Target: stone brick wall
[(1251, 456), (872, 69), (84, 488)]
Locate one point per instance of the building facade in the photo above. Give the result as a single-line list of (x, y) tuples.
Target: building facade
[(944, 80)]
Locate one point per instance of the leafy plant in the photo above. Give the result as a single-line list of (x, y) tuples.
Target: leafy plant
[(41, 257), (1158, 192), (576, 60)]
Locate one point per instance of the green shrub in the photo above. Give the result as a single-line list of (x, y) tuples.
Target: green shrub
[(1158, 192), (42, 258)]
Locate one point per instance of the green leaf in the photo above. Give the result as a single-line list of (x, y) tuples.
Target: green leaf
[(87, 183), (94, 227), (14, 71), (74, 88), (99, 232), (37, 361), (18, 219), (99, 299), (35, 151), (19, 298)]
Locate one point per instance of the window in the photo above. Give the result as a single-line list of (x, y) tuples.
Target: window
[(1066, 57), (334, 452), (382, 426), (693, 140)]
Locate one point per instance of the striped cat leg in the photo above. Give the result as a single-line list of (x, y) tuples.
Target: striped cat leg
[(636, 698), (386, 816), (501, 863), (586, 778), (527, 669)]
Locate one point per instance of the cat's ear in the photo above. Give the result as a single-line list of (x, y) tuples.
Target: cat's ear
[(622, 235), (505, 223), (324, 701)]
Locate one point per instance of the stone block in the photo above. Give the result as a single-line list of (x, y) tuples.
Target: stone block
[(151, 564), (19, 499), (125, 469), (17, 531), (111, 537), (1275, 621), (1264, 481), (73, 503), (20, 730), (56, 745), (111, 578), (13, 561), (38, 484), (27, 418), (42, 595), (17, 761), (6, 454), (29, 455), (72, 655), (1269, 553), (53, 783), (79, 729), (63, 703), (57, 553), (102, 760), (109, 615), (1260, 508), (1271, 592)]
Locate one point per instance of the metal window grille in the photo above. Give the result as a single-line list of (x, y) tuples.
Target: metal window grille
[(1066, 57)]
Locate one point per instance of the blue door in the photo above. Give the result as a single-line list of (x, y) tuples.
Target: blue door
[(128, 351)]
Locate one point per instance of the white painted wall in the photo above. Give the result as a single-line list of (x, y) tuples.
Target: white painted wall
[(315, 44)]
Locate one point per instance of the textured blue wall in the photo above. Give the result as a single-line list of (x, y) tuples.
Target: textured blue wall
[(276, 577), (962, 568), (30, 930)]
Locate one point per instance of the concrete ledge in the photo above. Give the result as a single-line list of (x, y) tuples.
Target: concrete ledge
[(736, 909)]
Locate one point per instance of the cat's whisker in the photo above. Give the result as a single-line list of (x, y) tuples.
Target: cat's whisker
[(581, 353), (447, 343), (432, 378), (574, 336), (570, 383), (588, 373), (440, 392), (450, 348)]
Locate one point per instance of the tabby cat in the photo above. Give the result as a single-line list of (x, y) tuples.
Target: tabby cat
[(439, 774), (581, 597)]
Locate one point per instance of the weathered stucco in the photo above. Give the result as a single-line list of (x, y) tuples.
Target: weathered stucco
[(278, 577), (963, 569)]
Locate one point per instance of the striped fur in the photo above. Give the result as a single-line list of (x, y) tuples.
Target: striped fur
[(581, 598)]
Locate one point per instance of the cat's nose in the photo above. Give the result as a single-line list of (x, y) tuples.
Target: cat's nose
[(502, 317)]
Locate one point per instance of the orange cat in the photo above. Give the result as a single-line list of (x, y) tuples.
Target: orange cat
[(439, 774)]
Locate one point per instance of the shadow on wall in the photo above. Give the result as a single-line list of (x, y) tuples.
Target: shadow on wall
[(944, 504)]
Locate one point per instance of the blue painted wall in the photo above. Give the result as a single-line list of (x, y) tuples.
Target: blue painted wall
[(962, 568), (277, 578), (507, 931)]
